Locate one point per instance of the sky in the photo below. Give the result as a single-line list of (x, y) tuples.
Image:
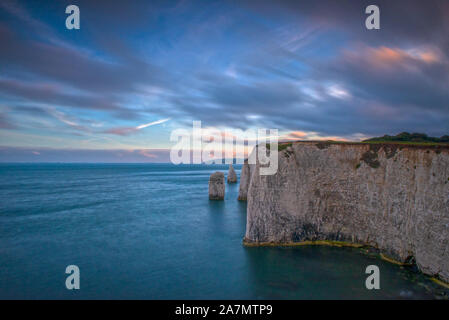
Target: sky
[(114, 90)]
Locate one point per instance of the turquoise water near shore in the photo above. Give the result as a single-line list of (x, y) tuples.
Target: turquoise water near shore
[(148, 231)]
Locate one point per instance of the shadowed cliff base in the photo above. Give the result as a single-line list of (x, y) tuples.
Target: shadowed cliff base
[(344, 244)]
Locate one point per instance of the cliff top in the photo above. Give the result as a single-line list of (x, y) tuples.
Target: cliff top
[(379, 143), (403, 139)]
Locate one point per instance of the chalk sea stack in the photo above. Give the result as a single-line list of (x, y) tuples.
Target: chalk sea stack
[(216, 186), (244, 181), (232, 176), (389, 196)]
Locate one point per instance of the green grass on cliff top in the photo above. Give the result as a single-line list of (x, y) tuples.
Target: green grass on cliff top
[(285, 144), (403, 138), (416, 143), (410, 138)]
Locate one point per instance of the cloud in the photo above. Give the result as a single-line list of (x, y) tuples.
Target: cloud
[(66, 120), (298, 66), (129, 130), (50, 93), (74, 67), (316, 136), (365, 84), (296, 135), (394, 77), (16, 154), (5, 122), (148, 154)]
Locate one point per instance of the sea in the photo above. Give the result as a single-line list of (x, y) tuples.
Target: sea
[(149, 231)]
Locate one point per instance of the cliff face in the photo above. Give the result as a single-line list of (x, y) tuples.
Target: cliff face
[(245, 179), (392, 197)]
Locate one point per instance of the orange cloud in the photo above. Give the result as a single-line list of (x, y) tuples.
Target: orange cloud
[(313, 136), (429, 57), (296, 135), (387, 55), (147, 154), (334, 138)]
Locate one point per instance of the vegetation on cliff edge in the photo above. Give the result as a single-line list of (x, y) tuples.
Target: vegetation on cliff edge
[(405, 137)]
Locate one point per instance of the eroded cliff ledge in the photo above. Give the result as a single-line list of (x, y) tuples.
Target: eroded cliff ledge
[(392, 197)]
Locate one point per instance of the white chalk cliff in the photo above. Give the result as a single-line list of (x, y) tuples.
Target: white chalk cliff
[(392, 197)]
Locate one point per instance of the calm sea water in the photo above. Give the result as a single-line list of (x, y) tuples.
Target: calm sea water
[(148, 231)]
